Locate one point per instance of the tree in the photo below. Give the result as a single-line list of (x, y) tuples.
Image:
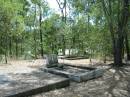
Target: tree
[(117, 19), (42, 7)]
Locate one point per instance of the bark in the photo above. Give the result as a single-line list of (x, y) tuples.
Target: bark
[(64, 18), (121, 34), (105, 59), (21, 46), (62, 9), (52, 48), (41, 38), (118, 53), (65, 3), (6, 61), (55, 47), (127, 47), (125, 17), (10, 47), (6, 50), (34, 33), (118, 37), (63, 48), (16, 48), (73, 44), (35, 47)]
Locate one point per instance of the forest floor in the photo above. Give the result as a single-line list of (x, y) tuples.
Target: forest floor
[(114, 82)]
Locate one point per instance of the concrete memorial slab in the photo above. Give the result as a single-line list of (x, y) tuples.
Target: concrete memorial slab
[(77, 74), (24, 85)]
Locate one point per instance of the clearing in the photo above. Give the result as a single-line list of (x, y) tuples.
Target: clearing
[(114, 83)]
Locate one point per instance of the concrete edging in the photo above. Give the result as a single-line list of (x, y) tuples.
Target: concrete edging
[(93, 73), (41, 89)]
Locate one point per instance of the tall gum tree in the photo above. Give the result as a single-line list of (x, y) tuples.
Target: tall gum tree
[(117, 13), (63, 5), (42, 7)]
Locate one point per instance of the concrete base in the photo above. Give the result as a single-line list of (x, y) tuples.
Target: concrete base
[(30, 84), (78, 74)]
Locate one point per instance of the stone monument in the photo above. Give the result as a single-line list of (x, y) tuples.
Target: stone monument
[(51, 60)]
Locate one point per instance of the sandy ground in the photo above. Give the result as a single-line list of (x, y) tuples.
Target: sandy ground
[(114, 83), (27, 66), (21, 66)]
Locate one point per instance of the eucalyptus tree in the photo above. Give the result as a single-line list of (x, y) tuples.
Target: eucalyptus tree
[(117, 14), (63, 8), (8, 14), (51, 31), (62, 4), (42, 8), (18, 24), (84, 19)]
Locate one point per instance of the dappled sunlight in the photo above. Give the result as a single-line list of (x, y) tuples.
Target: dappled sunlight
[(114, 83), (64, 48), (23, 82)]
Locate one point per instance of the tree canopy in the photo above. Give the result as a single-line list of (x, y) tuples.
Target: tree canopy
[(92, 28)]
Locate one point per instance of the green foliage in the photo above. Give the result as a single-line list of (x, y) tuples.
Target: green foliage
[(85, 31)]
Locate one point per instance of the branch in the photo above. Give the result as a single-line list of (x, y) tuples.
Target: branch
[(60, 5)]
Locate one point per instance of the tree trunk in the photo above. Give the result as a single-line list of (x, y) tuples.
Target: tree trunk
[(122, 19), (127, 47), (118, 53), (35, 47), (16, 48), (41, 40), (6, 58), (34, 33), (21, 46), (120, 34), (10, 47), (104, 61), (6, 51), (63, 48), (65, 11), (125, 17)]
